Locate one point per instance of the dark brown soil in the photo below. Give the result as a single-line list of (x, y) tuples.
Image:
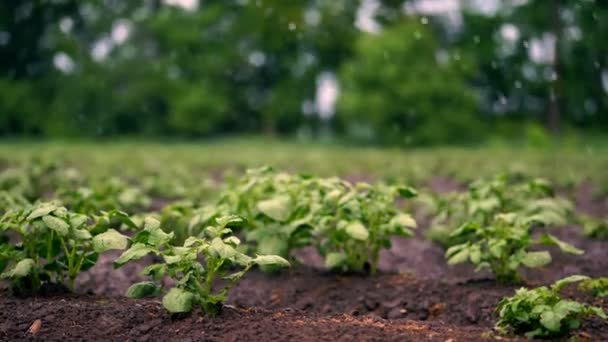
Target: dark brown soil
[(416, 296), (88, 318)]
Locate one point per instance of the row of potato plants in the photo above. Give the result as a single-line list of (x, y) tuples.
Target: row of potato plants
[(52, 245), (490, 226)]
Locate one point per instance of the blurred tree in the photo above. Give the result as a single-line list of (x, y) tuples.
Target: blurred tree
[(540, 60), (396, 90)]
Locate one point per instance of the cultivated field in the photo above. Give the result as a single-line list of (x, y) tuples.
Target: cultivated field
[(260, 240)]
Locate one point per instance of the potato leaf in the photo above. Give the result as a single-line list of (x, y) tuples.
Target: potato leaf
[(178, 300), (21, 269), (536, 259), (277, 208), (357, 231), (58, 225), (109, 240), (143, 289)]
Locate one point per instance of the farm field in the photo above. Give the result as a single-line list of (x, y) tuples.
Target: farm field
[(367, 251)]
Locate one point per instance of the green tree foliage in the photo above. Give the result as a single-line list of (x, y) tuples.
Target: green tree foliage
[(395, 90), (252, 67)]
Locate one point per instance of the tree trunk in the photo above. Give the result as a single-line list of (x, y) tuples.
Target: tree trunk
[(555, 89)]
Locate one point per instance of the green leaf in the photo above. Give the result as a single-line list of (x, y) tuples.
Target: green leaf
[(407, 192), (224, 251), (272, 245), (233, 241), (598, 311), (566, 307), (558, 285), (357, 231), (58, 225), (404, 220), (536, 259), (81, 234), (143, 289), (547, 218), (459, 257), (235, 276), (334, 260), (150, 223), (271, 260), (475, 255), (21, 269), (158, 237), (551, 321), (178, 300), (136, 252), (156, 271), (551, 240), (233, 221), (109, 240), (42, 210), (277, 208), (77, 221)]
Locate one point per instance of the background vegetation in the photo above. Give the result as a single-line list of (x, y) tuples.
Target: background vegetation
[(407, 74)]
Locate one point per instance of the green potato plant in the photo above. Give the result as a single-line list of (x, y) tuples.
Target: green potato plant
[(194, 279), (357, 221), (53, 245), (503, 246), (531, 198), (541, 312), (598, 286), (107, 195), (348, 223), (594, 228)]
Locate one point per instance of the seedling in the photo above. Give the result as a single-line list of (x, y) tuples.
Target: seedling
[(595, 228), (598, 287), (533, 199), (503, 246), (54, 245), (194, 280), (356, 222), (541, 312)]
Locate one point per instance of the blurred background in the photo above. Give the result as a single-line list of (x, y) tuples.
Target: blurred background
[(383, 72)]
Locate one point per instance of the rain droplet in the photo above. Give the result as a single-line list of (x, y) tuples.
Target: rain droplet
[(424, 20), (292, 26), (417, 35)]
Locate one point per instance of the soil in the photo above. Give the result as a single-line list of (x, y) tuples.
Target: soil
[(415, 296)]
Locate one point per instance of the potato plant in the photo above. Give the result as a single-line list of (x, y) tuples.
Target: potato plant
[(357, 221), (542, 312), (503, 246), (54, 245), (594, 228), (531, 198), (349, 224), (194, 279), (107, 195), (598, 286)]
